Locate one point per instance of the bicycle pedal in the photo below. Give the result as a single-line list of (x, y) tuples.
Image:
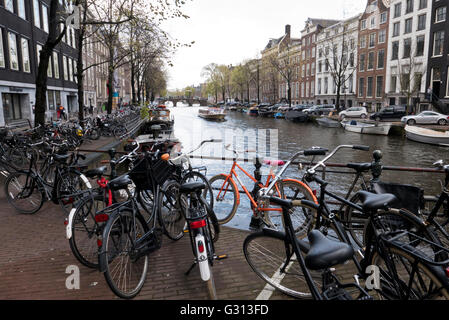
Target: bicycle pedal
[(222, 257), (186, 231)]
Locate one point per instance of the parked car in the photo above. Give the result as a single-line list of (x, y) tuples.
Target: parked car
[(391, 112), (354, 112), (321, 109), (427, 117)]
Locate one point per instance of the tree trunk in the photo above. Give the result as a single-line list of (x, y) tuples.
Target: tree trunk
[(80, 63)]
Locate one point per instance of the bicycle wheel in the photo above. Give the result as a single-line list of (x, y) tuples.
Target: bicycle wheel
[(119, 131), (225, 198), (405, 278), (24, 193), (124, 269), (170, 216), (70, 183), (303, 218), (85, 230), (272, 258), (194, 176), (355, 221)]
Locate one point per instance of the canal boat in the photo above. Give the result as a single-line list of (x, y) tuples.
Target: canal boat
[(367, 128), (253, 111), (212, 113), (267, 112), (296, 116), (327, 122), (428, 136), (159, 115)]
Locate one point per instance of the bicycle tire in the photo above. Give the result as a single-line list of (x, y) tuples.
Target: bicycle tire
[(225, 209), (86, 252), (34, 189), (69, 183), (170, 216), (266, 253), (435, 276), (117, 230)]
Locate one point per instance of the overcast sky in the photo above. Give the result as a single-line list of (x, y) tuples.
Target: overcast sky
[(230, 31)]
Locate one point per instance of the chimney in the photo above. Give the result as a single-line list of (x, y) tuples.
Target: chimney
[(288, 29)]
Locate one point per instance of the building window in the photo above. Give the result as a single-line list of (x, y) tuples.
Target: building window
[(326, 85), (45, 17), (70, 63), (409, 6), (38, 53), (26, 56), (408, 26), (369, 89), (37, 16), (407, 48), (21, 9), (420, 46), (382, 36), (381, 59), (361, 87), (422, 4), (383, 17), (421, 22), (438, 43), (64, 65), (397, 10), (396, 29), (440, 14), (379, 86), (362, 62), (393, 84), (363, 25), (13, 55), (363, 42), (2, 52), (395, 50), (56, 64), (370, 61), (9, 5), (372, 40)]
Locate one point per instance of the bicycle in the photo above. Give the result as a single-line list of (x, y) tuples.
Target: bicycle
[(289, 277), (127, 239), (227, 194), (203, 229)]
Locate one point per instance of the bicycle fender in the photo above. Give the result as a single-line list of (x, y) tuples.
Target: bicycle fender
[(68, 228), (305, 186), (203, 261)]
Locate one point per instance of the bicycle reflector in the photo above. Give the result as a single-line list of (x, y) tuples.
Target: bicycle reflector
[(101, 217), (447, 272), (197, 224), (200, 246)]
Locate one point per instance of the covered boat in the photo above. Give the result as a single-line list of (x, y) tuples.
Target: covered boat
[(367, 128), (327, 122), (428, 136), (158, 116), (296, 116)]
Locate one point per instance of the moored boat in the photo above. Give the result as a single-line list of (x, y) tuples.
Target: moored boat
[(216, 114), (367, 128), (253, 111), (327, 122), (428, 136)]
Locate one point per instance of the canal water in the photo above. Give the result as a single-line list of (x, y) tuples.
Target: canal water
[(285, 138)]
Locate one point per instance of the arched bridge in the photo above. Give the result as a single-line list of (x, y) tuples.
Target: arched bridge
[(190, 101)]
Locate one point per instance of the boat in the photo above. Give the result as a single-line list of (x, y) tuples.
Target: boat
[(367, 128), (296, 116), (267, 112), (253, 111), (159, 115), (212, 113), (327, 122), (428, 136)]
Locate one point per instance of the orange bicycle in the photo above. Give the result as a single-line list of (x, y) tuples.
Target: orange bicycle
[(227, 194)]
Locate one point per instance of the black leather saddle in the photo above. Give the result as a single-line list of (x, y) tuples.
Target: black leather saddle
[(97, 172), (360, 167), (373, 201), (192, 187), (325, 253), (120, 183)]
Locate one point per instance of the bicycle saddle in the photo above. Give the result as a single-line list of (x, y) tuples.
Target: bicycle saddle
[(373, 201), (97, 172), (192, 187), (120, 183), (360, 167), (325, 253)]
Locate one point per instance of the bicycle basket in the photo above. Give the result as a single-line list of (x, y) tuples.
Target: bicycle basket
[(145, 172), (408, 197)]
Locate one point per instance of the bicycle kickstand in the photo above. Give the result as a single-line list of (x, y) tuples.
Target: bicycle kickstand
[(190, 269)]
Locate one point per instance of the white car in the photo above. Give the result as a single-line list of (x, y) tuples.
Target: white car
[(427, 117), (354, 112)]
